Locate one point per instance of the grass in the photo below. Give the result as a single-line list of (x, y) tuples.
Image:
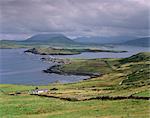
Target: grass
[(117, 79), (26, 106), (132, 73), (86, 66), (145, 93), (66, 51)]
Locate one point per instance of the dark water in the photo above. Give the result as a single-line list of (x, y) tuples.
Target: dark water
[(17, 67), (89, 55)]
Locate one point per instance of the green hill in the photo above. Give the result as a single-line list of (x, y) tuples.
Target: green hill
[(143, 56), (50, 38), (38, 40), (134, 70)]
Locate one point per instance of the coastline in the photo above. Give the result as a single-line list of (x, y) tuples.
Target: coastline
[(54, 69)]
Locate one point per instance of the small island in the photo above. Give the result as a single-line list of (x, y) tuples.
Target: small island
[(66, 51)]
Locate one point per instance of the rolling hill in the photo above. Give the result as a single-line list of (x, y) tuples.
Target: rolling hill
[(144, 42), (37, 40), (50, 38), (103, 40)]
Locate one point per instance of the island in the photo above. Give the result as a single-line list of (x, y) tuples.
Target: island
[(66, 51)]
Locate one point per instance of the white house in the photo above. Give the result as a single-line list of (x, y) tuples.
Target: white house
[(38, 91)]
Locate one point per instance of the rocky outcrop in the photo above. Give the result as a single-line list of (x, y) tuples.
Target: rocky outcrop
[(56, 60)]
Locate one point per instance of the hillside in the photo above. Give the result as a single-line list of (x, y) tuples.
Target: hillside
[(102, 40), (144, 42), (50, 38), (143, 56), (38, 40), (134, 69)]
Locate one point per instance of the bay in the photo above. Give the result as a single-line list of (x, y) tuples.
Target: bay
[(17, 67)]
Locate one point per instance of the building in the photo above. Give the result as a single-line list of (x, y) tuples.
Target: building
[(38, 91)]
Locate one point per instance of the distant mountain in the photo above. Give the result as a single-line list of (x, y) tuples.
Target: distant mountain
[(50, 38), (40, 39), (144, 42), (102, 40)]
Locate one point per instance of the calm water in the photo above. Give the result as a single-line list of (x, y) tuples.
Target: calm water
[(89, 55), (17, 67)]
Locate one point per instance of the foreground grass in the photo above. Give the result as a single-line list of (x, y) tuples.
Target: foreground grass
[(26, 106)]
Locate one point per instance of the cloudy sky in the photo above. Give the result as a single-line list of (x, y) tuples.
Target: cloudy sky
[(20, 19)]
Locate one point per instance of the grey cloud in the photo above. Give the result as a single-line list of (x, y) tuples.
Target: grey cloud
[(74, 17)]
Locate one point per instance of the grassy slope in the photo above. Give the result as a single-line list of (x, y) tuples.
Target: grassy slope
[(117, 78), (87, 65), (132, 72), (114, 74), (27, 106)]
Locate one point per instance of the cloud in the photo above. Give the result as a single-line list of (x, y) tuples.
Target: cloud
[(74, 17)]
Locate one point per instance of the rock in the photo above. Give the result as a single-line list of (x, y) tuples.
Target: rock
[(54, 89)]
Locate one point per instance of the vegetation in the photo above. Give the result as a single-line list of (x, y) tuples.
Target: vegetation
[(8, 44), (26, 106), (133, 72), (65, 51), (115, 78), (82, 67), (52, 51), (143, 56), (145, 93), (4, 44)]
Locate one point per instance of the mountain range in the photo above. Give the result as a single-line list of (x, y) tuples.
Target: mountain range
[(103, 40), (144, 42), (60, 39), (120, 40)]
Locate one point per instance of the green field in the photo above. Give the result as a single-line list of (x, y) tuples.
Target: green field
[(27, 106)]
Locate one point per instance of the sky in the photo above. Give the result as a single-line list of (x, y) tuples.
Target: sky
[(20, 19)]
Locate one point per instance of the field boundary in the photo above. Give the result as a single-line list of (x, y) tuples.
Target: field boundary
[(96, 98)]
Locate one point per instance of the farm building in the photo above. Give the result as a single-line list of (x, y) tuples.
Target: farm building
[(38, 91)]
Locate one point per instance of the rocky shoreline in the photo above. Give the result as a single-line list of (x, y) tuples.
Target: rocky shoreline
[(55, 69), (56, 60)]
